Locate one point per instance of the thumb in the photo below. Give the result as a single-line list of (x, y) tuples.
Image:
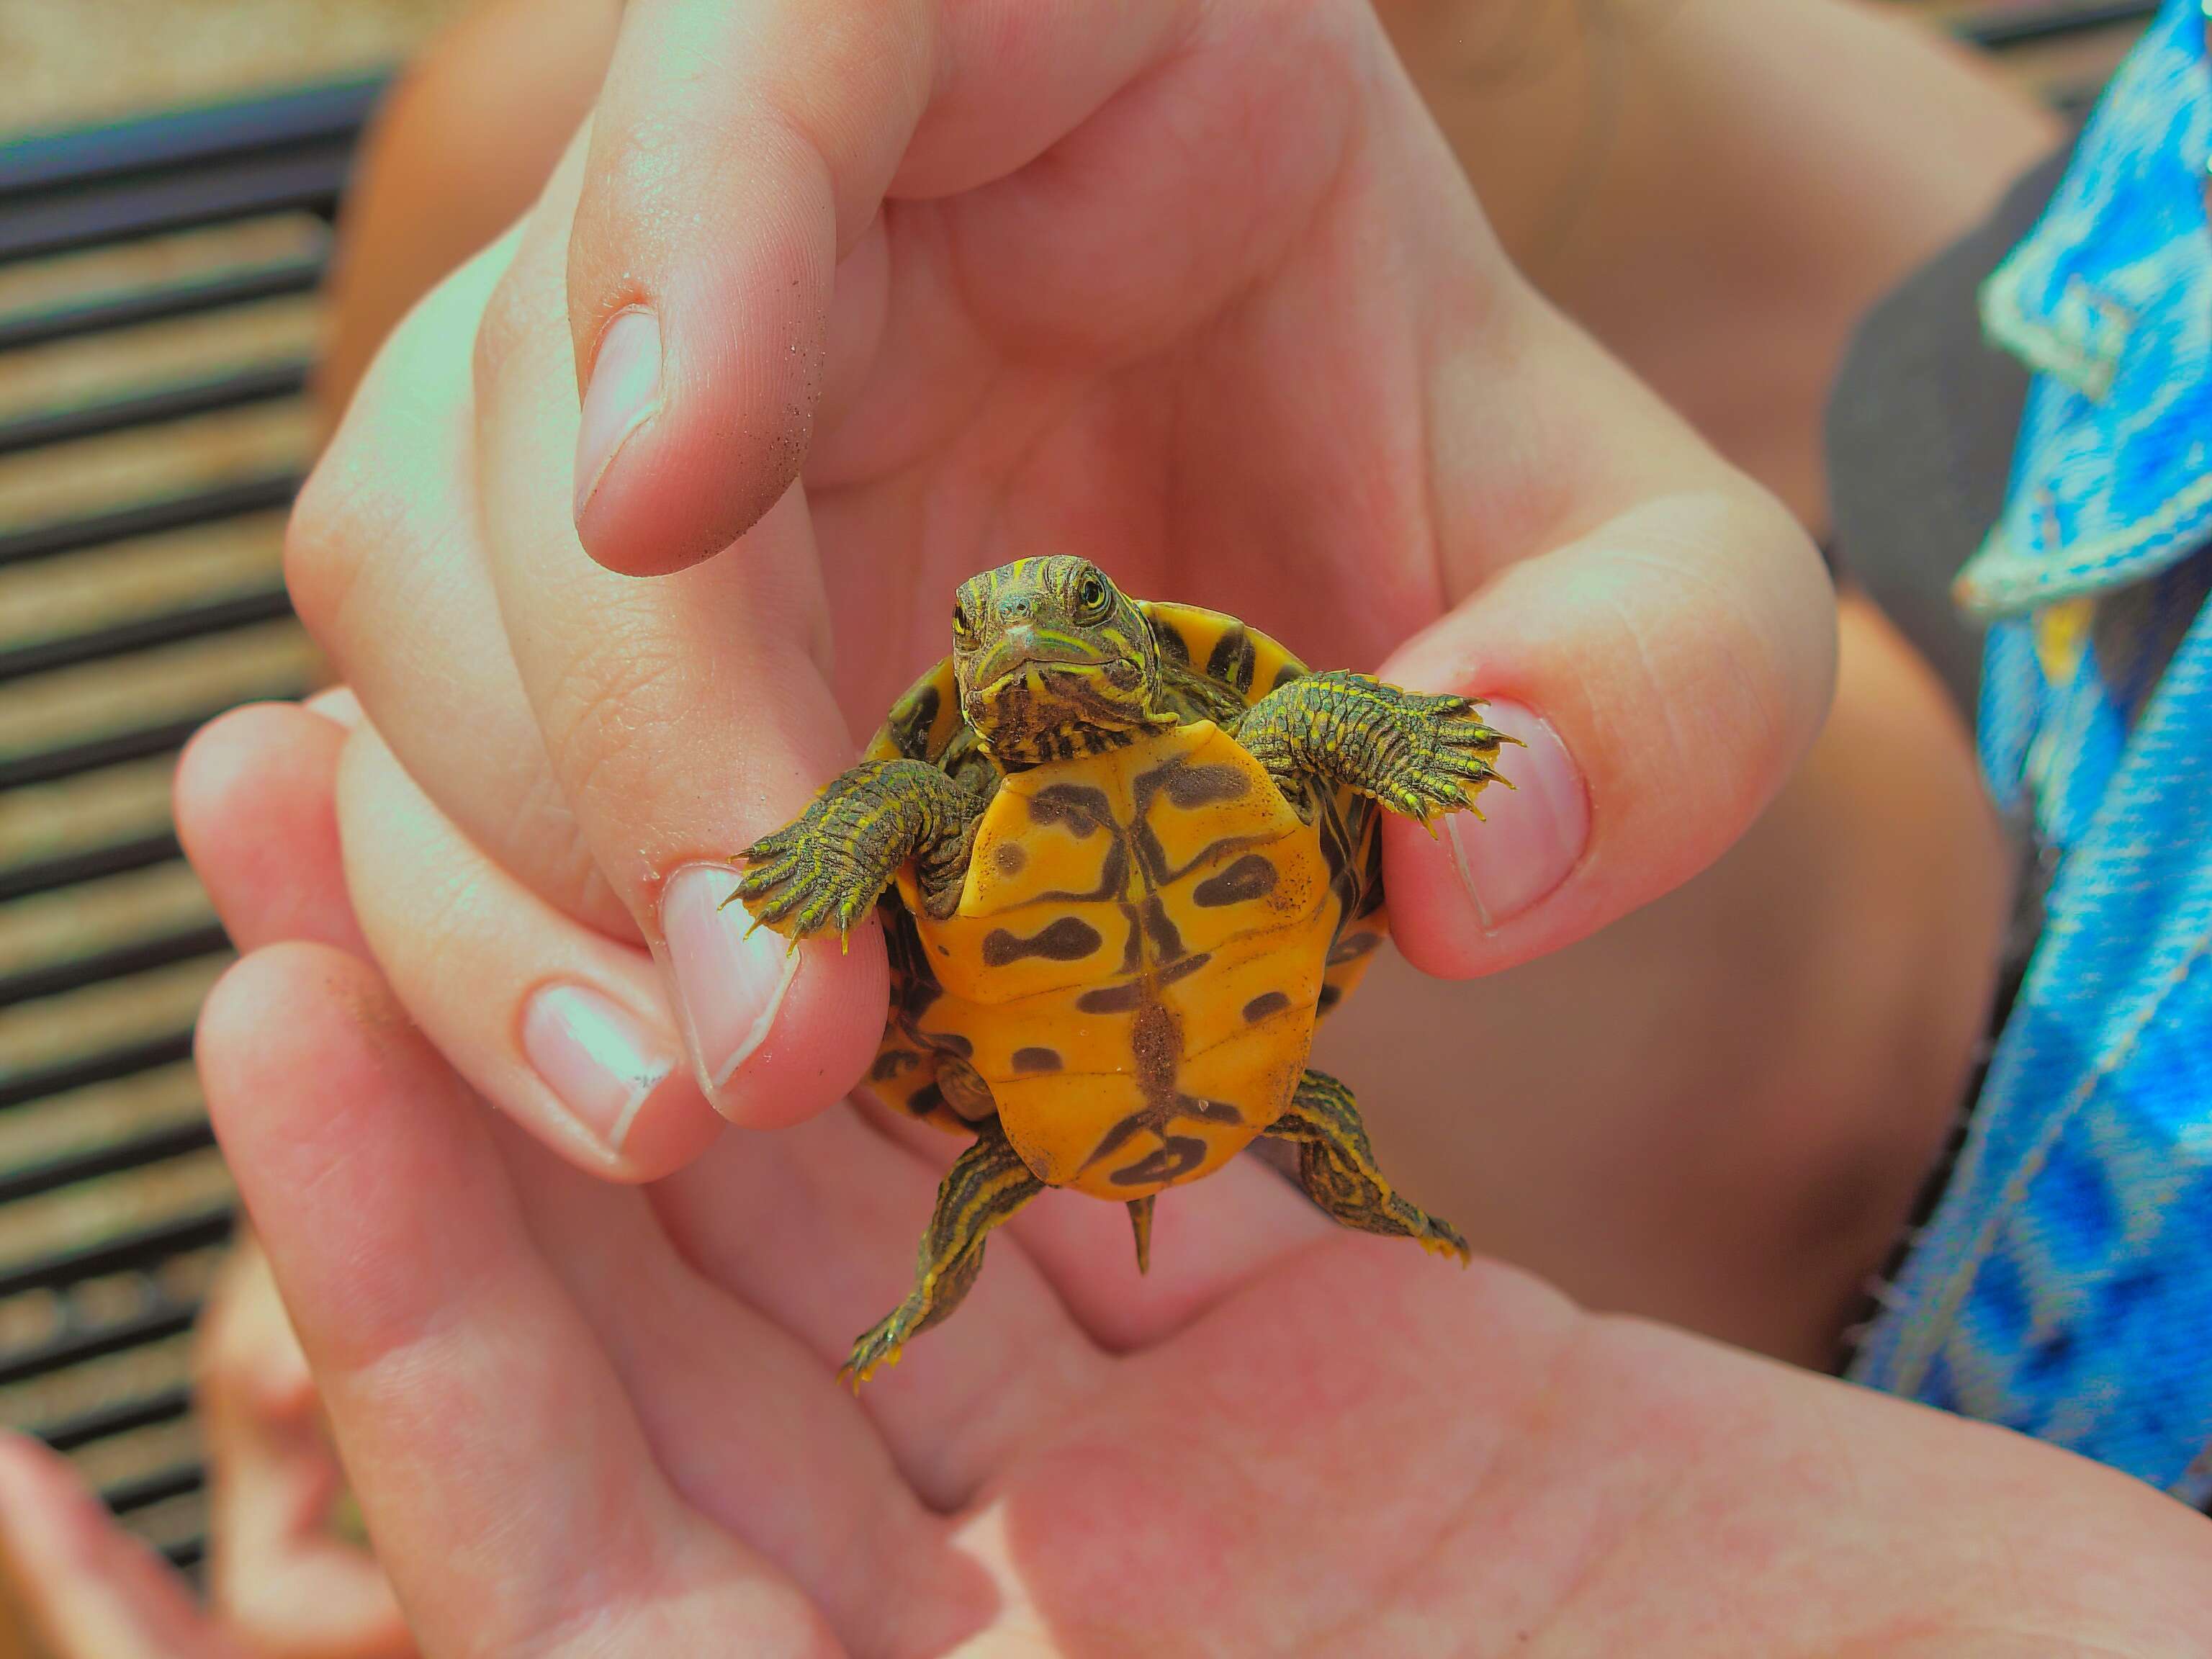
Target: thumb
[(740, 153), (1663, 673)]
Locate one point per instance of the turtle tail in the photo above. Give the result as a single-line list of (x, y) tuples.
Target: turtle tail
[(1141, 1224)]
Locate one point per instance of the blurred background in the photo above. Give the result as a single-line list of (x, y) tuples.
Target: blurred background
[(169, 173)]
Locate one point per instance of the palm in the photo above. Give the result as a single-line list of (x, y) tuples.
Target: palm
[(1292, 1439)]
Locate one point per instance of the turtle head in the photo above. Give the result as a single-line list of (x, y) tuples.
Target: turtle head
[(1054, 661)]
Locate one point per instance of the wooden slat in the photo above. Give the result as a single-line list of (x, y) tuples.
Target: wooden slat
[(97, 917), (48, 822), (40, 1039), (132, 581), (103, 474), (192, 256), (192, 681), (119, 363), (102, 1114)]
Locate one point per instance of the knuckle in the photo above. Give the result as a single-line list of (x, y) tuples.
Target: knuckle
[(326, 541)]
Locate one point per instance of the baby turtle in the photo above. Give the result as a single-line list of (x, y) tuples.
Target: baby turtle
[(1126, 854)]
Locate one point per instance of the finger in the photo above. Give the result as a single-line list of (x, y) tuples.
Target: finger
[(564, 1029), (451, 1357), (253, 808), (1657, 633), (700, 275), (383, 561), (1209, 1239), (817, 1228), (752, 1431), (278, 1573), (89, 1588), (684, 717)]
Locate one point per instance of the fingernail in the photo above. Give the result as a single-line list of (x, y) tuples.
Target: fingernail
[(595, 1055), (1530, 836), (728, 986), (623, 392)]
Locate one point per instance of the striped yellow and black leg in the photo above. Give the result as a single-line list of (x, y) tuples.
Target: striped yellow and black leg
[(827, 868), (1336, 1167), (986, 1184), (1417, 755)]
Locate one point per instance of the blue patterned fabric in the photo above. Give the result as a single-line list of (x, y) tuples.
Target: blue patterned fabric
[(2063, 1286)]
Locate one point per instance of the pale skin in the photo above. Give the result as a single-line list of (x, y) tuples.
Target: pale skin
[(1740, 1438), (649, 725), (1754, 1164), (1289, 1440)]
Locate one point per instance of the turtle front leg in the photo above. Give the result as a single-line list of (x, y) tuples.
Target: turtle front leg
[(1418, 756), (1336, 1167), (986, 1184), (828, 867)]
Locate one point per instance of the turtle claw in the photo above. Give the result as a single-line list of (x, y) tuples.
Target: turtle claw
[(1441, 760), (872, 1353), (1443, 1239)]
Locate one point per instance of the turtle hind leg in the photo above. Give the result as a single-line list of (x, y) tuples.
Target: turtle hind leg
[(1336, 1167), (1141, 1224), (986, 1184)]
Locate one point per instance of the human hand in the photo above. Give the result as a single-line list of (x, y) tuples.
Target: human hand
[(583, 1416), (282, 1582), (1195, 290)]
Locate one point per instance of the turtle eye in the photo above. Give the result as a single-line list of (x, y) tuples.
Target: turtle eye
[(1091, 597)]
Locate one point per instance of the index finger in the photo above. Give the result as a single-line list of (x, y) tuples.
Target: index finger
[(683, 718), (739, 151)]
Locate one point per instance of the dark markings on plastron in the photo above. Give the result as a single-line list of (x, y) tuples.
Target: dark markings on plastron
[(1007, 857), (952, 1042), (1037, 1060), (1084, 811), (1330, 996), (1269, 1002), (1133, 942), (925, 1100), (1160, 929), (1172, 646), (1069, 939), (1111, 999), (1250, 878), (1285, 674), (1353, 946), (1186, 786), (910, 723), (1176, 1155), (1199, 785), (1233, 658), (889, 1062), (1156, 1041)]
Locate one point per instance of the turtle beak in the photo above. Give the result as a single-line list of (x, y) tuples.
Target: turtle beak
[(1020, 647)]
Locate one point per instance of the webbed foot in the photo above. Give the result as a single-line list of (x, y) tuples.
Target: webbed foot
[(828, 868), (1418, 754), (1423, 756)]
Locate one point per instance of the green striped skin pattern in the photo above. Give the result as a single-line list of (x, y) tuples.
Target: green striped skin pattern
[(1107, 972)]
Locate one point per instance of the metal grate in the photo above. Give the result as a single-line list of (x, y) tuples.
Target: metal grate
[(158, 312)]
